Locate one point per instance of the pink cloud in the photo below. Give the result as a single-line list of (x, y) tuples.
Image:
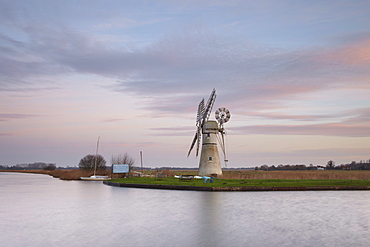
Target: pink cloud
[(6, 134), (355, 117), (174, 131), (131, 144), (317, 153), (291, 117), (112, 120), (359, 117), (6, 116), (286, 88), (357, 53), (330, 129)]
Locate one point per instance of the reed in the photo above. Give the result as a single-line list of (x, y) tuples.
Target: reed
[(326, 174), (73, 174)]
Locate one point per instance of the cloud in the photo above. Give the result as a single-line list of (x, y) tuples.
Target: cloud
[(330, 129), (6, 134), (113, 120), (359, 116), (300, 69), (316, 153), (333, 152), (124, 23), (133, 144), (246, 76), (279, 116), (351, 123), (354, 54), (10, 116), (348, 123), (20, 65), (175, 72), (174, 131)]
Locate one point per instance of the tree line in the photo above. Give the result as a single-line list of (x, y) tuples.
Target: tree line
[(86, 163), (33, 166)]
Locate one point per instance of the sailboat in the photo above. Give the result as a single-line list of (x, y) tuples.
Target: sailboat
[(95, 177)]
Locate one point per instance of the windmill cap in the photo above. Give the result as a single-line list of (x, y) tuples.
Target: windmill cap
[(210, 127)]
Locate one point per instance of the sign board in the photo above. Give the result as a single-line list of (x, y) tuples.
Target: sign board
[(121, 168)]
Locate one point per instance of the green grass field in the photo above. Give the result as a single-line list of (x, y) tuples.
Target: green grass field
[(245, 182)]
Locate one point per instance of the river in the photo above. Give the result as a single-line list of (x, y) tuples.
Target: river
[(38, 210)]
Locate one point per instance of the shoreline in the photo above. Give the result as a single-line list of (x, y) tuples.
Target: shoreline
[(70, 175), (233, 189), (74, 175)]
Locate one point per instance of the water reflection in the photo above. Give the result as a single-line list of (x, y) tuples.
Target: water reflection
[(51, 212), (208, 217)]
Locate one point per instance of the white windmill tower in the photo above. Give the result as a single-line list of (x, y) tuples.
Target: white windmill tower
[(210, 132)]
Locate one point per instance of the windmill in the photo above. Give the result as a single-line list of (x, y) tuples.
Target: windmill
[(210, 132)]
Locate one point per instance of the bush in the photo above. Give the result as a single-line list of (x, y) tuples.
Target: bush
[(123, 159), (87, 163), (50, 167)]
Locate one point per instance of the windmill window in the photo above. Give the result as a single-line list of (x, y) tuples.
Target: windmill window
[(210, 158)]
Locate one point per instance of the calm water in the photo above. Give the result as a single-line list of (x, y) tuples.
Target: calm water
[(38, 210)]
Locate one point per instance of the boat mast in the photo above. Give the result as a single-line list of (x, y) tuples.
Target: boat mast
[(96, 154)]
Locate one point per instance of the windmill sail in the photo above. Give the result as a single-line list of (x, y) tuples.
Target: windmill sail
[(200, 112), (192, 143), (198, 141), (202, 116), (199, 124), (208, 108)]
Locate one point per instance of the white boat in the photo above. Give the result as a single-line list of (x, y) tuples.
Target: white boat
[(95, 177)]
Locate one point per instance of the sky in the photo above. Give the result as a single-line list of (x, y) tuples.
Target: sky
[(295, 76)]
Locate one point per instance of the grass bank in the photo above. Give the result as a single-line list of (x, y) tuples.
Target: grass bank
[(244, 182)]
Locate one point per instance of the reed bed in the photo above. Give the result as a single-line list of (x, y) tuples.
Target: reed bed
[(327, 174), (73, 174), (301, 174)]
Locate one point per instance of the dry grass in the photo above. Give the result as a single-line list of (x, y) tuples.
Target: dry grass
[(304, 174), (73, 174), (327, 174)]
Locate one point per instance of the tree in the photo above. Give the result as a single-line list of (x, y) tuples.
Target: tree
[(330, 164), (50, 167), (264, 167), (123, 159), (88, 163)]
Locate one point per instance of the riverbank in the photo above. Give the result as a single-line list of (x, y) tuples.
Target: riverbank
[(261, 188), (171, 183), (71, 174), (235, 180)]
